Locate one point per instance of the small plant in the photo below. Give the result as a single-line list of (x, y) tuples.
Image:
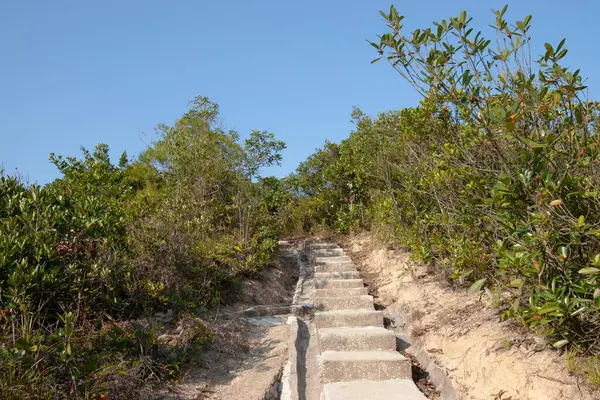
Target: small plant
[(65, 336), (587, 366)]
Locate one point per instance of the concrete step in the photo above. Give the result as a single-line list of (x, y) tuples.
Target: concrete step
[(334, 259), (348, 318), (337, 275), (368, 338), (336, 251), (344, 303), (322, 245), (396, 389), (338, 283), (338, 366), (342, 292), (337, 267)]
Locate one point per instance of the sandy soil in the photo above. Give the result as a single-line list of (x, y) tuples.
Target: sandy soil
[(250, 350), (483, 357), (251, 374)]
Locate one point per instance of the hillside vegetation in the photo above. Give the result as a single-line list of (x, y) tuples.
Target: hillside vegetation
[(493, 179), (85, 259)]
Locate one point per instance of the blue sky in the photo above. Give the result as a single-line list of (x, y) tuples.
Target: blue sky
[(76, 73)]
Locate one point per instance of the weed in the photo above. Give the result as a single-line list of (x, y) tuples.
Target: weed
[(587, 366)]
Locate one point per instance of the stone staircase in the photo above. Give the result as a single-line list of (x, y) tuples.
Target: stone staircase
[(358, 357)]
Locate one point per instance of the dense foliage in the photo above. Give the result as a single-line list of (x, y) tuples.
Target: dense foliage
[(493, 179), (85, 259)]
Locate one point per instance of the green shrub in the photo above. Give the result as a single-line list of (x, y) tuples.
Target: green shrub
[(175, 229), (493, 178)]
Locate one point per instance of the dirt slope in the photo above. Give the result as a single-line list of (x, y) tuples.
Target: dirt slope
[(483, 357), (250, 349)]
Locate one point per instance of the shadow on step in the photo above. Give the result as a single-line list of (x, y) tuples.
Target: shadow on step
[(302, 342), (388, 323), (401, 345)]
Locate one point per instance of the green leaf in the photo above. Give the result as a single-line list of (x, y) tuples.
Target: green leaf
[(579, 311), (589, 271), (516, 304), (560, 343), (548, 309), (477, 286), (578, 115), (517, 283)]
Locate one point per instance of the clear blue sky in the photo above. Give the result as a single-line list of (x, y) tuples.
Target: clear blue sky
[(78, 73)]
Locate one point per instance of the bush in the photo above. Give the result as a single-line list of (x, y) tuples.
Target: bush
[(493, 178), (113, 244)]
